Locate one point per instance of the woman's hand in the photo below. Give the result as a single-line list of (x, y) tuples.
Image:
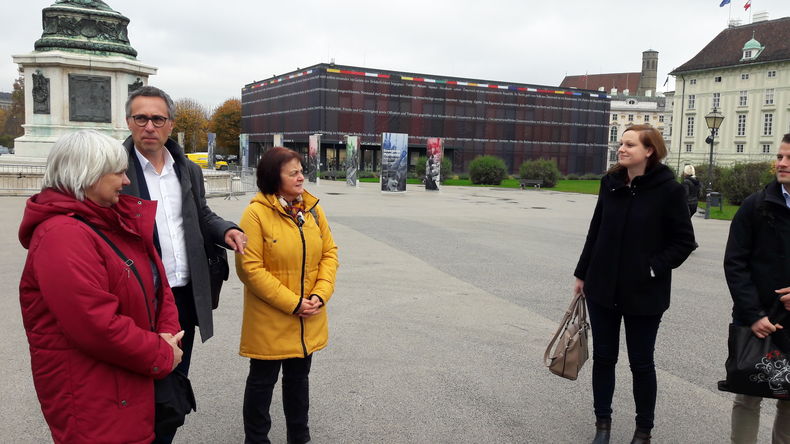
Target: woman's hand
[(578, 286), (309, 307), (784, 296), (763, 327), (173, 342)]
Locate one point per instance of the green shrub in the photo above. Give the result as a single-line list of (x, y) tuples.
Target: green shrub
[(487, 170), (462, 176), (743, 179), (572, 177), (591, 176), (364, 174), (541, 169), (702, 175)]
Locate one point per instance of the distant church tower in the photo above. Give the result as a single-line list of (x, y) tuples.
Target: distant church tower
[(648, 80)]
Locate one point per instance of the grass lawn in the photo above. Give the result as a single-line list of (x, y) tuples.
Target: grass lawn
[(727, 214)]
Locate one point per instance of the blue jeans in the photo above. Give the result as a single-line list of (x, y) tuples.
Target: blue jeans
[(640, 337)]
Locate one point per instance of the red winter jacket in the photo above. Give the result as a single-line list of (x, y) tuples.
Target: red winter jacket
[(93, 354)]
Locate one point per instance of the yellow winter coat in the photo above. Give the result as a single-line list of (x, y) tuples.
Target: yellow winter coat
[(275, 277)]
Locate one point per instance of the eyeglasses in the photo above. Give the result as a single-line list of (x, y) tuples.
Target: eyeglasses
[(141, 120)]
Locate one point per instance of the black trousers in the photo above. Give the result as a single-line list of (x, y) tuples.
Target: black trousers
[(640, 338), (187, 318), (296, 399)]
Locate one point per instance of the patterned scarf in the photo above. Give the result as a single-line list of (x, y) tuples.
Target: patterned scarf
[(293, 208)]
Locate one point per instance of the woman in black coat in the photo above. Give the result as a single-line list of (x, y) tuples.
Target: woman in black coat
[(639, 232)]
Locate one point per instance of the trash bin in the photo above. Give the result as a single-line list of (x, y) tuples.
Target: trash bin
[(715, 200)]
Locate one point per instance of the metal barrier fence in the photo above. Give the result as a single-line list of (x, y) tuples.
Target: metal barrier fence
[(25, 180)]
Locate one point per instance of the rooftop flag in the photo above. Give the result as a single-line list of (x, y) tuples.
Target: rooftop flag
[(724, 2), (747, 5)]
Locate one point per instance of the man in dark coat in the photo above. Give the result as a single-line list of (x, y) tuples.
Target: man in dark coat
[(158, 170), (758, 273)]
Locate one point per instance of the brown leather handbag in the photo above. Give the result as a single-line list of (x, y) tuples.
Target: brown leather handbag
[(567, 352)]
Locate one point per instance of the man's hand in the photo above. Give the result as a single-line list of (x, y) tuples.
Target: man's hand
[(173, 341), (763, 327), (236, 240), (309, 307), (784, 296)]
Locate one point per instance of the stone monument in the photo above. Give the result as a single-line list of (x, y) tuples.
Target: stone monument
[(79, 75)]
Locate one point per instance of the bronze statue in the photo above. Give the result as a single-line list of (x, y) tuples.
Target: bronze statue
[(91, 4)]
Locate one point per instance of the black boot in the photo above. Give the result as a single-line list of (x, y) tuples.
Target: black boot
[(603, 430), (641, 436)]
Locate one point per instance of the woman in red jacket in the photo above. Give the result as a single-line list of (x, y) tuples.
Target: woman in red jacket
[(98, 335)]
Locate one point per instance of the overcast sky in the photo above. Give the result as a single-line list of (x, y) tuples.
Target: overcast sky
[(208, 50)]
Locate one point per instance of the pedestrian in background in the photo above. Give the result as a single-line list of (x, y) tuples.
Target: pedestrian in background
[(691, 186), (288, 271), (640, 231), (99, 330), (758, 273)]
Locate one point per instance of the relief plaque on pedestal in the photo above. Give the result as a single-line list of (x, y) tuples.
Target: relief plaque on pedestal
[(89, 98), (40, 93)]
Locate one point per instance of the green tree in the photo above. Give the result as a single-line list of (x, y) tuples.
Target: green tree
[(192, 119), (15, 116), (743, 179), (226, 123)]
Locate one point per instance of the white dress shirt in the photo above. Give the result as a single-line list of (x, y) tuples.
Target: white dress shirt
[(165, 188)]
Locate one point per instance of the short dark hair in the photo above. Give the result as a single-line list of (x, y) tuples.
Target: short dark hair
[(270, 165), (786, 138), (151, 91)]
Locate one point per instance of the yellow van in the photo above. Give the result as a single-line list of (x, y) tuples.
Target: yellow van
[(201, 159)]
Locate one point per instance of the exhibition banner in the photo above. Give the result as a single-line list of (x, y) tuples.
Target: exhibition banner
[(352, 160), (278, 140), (394, 155), (434, 150), (244, 146), (212, 144), (312, 158)]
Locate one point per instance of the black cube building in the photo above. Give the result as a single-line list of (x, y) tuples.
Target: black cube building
[(516, 122)]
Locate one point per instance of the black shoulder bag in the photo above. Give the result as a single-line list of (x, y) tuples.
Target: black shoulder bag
[(173, 395)]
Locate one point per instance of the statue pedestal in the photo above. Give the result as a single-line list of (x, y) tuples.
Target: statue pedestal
[(70, 91)]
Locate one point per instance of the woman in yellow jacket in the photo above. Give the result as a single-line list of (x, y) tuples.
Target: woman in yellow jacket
[(288, 270)]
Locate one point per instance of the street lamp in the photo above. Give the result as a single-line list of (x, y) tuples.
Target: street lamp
[(713, 120)]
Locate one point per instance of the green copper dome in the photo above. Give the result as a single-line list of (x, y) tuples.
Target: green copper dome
[(85, 26), (752, 44)]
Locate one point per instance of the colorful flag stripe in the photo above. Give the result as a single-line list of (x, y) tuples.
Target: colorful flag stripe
[(428, 80)]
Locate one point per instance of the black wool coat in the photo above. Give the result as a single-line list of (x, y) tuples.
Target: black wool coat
[(756, 260), (637, 235), (199, 222)]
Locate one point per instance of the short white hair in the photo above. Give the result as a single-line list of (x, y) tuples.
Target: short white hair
[(78, 160), (688, 170)]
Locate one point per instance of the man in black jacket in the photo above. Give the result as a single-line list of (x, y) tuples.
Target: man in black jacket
[(758, 273), (158, 170)]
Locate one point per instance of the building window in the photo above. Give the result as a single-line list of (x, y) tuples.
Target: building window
[(769, 96), (613, 134), (716, 100), (743, 99), (739, 148), (768, 124), (717, 79), (692, 101), (747, 55), (661, 118), (771, 74), (766, 148), (614, 117), (690, 127), (693, 82), (613, 156), (741, 125), (647, 117), (745, 76), (688, 147), (630, 117)]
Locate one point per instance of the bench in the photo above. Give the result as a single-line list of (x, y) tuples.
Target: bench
[(536, 183), (329, 174)]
